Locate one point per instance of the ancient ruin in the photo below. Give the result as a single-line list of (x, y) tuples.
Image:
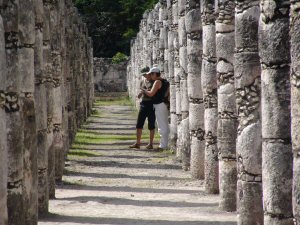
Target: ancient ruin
[(46, 92), (248, 86), (234, 73)]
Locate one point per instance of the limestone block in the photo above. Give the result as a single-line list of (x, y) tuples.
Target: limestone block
[(183, 60), (249, 149), (196, 119), (194, 49), (193, 21), (197, 157), (227, 183), (246, 68), (275, 103), (246, 25), (194, 86), (278, 181), (226, 140), (209, 76), (26, 68), (182, 32), (184, 97), (225, 46), (209, 41), (274, 51), (249, 202)]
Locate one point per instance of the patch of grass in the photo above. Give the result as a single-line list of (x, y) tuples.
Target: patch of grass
[(124, 101), (82, 153)]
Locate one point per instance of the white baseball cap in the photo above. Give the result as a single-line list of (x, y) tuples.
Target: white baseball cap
[(154, 70)]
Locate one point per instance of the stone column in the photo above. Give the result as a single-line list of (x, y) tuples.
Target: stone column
[(196, 109), (14, 113), (26, 70), (171, 66), (41, 110), (275, 84), (247, 84), (56, 54), (3, 138), (210, 86), (182, 37), (49, 97), (295, 100), (227, 121)]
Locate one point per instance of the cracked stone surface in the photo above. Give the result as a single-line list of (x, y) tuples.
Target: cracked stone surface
[(121, 186)]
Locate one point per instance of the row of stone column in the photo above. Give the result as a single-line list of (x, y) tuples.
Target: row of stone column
[(46, 92), (234, 72)]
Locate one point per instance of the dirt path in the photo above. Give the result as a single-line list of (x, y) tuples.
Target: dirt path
[(111, 184)]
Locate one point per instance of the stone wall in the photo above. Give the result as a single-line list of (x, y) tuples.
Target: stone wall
[(46, 92), (109, 77), (234, 75)]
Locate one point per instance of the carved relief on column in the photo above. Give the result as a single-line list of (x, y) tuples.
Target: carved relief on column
[(277, 157), (227, 119), (209, 87)]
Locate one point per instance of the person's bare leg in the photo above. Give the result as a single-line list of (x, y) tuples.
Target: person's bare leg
[(138, 136), (137, 144), (152, 132)]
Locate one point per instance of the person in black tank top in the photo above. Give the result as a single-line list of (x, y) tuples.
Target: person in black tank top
[(158, 92)]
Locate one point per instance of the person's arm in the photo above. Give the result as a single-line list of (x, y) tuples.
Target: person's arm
[(156, 86)]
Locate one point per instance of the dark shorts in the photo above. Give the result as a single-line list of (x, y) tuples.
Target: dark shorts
[(146, 111)]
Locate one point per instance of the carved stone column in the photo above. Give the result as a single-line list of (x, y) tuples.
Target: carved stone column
[(41, 110), (247, 83), (274, 49), (182, 37), (227, 121), (49, 97), (26, 71), (209, 86), (14, 113), (172, 30), (196, 108), (295, 100), (3, 138)]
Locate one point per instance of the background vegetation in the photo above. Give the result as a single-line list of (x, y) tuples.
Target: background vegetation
[(112, 23)]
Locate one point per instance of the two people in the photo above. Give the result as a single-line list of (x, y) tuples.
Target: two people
[(158, 92)]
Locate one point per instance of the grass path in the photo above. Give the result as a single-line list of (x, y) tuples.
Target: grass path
[(105, 182)]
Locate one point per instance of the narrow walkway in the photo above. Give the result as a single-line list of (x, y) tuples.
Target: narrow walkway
[(107, 183)]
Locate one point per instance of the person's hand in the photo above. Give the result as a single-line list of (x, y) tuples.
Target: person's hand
[(140, 94)]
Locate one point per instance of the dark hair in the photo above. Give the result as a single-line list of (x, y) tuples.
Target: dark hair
[(157, 74)]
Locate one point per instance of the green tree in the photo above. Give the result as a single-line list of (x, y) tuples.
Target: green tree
[(112, 24)]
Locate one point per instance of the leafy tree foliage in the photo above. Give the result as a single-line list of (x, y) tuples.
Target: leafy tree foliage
[(112, 23)]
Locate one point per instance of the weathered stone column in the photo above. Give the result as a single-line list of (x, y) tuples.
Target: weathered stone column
[(182, 37), (26, 71), (227, 121), (275, 84), (3, 138), (41, 110), (196, 109), (14, 115), (49, 97), (295, 100), (171, 66), (247, 84), (209, 86), (57, 44)]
